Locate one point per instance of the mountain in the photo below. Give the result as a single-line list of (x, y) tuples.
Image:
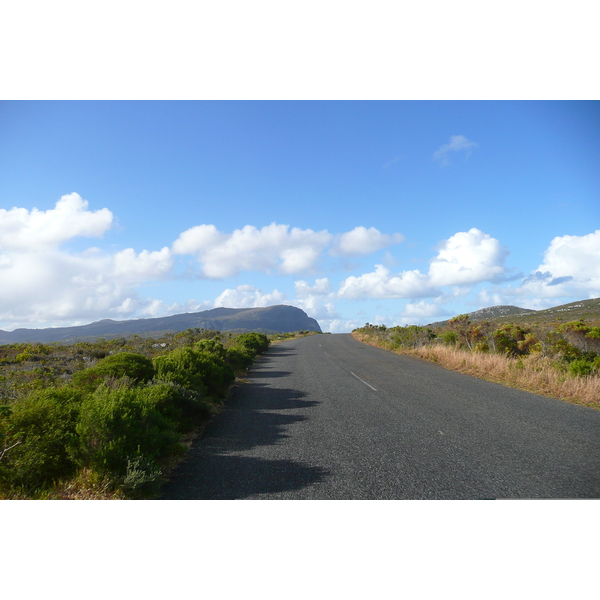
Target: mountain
[(272, 319), (573, 311)]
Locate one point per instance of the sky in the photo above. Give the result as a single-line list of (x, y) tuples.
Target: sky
[(384, 212)]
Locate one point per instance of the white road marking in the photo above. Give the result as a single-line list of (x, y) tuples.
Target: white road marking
[(363, 381), (351, 373)]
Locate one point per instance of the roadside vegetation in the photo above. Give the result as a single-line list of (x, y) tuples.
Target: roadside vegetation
[(560, 361), (110, 419)]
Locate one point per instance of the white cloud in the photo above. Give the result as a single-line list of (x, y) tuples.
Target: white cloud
[(340, 325), (422, 312), (571, 267), (21, 229), (457, 143), (247, 296), (486, 299), (53, 285), (316, 300), (468, 258), (382, 284), (322, 287), (274, 248), (200, 238), (361, 241), (43, 284), (135, 267)]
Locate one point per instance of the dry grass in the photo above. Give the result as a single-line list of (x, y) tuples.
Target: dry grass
[(533, 373)]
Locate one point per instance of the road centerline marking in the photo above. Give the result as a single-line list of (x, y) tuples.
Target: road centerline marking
[(362, 380)]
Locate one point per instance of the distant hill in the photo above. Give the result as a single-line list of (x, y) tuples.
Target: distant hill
[(582, 309), (272, 319)]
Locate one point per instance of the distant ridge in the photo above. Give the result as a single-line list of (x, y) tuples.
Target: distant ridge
[(271, 319), (573, 311)]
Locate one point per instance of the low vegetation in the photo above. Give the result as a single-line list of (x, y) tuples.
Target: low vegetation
[(561, 361), (109, 419)]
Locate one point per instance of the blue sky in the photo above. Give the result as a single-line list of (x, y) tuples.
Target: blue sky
[(388, 212)]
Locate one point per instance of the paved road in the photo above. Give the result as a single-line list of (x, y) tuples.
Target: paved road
[(326, 417)]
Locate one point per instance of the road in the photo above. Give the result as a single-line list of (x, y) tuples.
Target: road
[(327, 417)]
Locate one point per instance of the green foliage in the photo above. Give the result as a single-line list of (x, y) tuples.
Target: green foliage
[(258, 342), (181, 405), (507, 339), (118, 421), (240, 357), (43, 427), (449, 338), (410, 336), (211, 347), (142, 477), (117, 425), (585, 366), (195, 369), (136, 367)]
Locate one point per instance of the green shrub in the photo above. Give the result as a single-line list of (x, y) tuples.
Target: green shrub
[(117, 425), (580, 367), (211, 347), (240, 357), (509, 338), (449, 338), (142, 477), (136, 367), (181, 367), (181, 405), (195, 370), (258, 342), (587, 365), (44, 423)]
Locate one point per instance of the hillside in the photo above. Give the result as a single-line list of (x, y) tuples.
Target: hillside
[(582, 309), (272, 319)]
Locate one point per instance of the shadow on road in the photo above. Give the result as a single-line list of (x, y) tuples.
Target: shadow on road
[(255, 416), (268, 374), (226, 477)]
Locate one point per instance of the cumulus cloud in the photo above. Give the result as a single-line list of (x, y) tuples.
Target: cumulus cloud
[(457, 143), (468, 258), (53, 285), (322, 287), (274, 248), (316, 300), (247, 296), (571, 267), (422, 312), (340, 325), (42, 283), (361, 241), (382, 284), (21, 229)]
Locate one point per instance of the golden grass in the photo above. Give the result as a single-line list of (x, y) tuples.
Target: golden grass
[(533, 373)]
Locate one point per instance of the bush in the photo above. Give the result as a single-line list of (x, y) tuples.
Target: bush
[(587, 365), (211, 347), (116, 366), (142, 477), (45, 425), (120, 424), (449, 338), (181, 405), (258, 342), (240, 357), (179, 367), (196, 370)]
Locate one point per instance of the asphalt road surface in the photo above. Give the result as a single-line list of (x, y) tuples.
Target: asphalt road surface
[(327, 417)]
